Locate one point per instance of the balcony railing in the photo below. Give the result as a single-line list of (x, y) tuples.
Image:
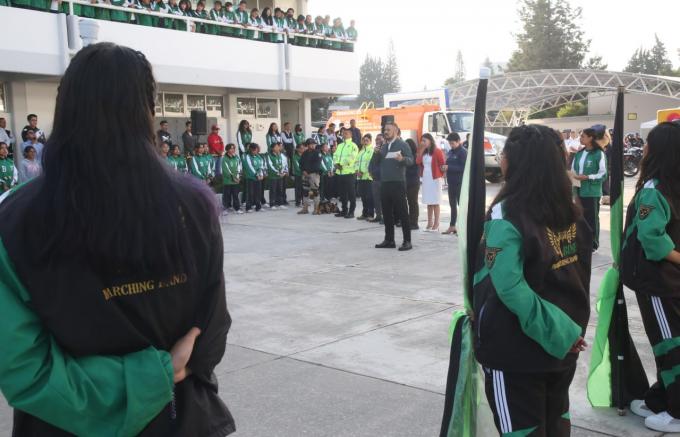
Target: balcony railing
[(286, 37)]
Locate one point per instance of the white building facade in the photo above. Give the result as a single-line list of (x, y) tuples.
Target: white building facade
[(230, 78)]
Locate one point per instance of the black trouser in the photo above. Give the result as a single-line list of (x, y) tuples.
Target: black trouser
[(377, 199), (275, 192), (536, 403), (661, 319), (329, 187), (347, 190), (298, 190), (263, 184), (284, 186), (253, 194), (230, 196), (393, 198), (367, 201), (591, 213), (454, 197), (412, 198)]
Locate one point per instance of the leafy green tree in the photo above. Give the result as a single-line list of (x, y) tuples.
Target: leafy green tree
[(640, 62), (370, 80), (595, 63), (551, 37), (658, 56), (391, 71), (573, 109)]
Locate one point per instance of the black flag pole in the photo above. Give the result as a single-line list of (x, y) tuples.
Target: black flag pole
[(460, 405)]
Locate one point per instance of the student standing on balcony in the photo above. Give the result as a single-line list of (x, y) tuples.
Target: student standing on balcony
[(143, 19), (267, 21), (279, 26), (352, 35), (300, 29), (217, 15), (160, 7), (184, 11), (255, 25), (338, 34), (242, 15), (125, 272), (311, 30), (201, 13), (174, 9)]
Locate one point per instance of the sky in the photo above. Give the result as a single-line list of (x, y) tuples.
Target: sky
[(428, 33)]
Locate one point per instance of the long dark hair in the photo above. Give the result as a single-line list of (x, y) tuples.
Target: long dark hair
[(662, 161), (271, 129), (116, 205), (594, 137), (266, 16), (433, 144), (242, 126), (412, 145), (536, 181)]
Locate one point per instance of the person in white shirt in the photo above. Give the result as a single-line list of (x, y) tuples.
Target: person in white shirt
[(572, 142), (5, 135)]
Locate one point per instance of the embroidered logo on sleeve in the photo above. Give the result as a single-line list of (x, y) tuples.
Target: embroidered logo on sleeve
[(490, 256), (645, 210)]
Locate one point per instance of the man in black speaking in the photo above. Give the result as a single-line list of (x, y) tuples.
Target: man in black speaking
[(395, 156)]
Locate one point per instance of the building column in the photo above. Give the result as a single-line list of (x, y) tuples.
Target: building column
[(306, 115)]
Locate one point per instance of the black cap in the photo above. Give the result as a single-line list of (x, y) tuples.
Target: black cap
[(310, 141)]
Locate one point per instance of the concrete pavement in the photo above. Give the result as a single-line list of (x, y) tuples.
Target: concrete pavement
[(332, 337)]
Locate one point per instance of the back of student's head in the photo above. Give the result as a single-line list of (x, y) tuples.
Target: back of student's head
[(536, 181), (105, 192), (662, 161)]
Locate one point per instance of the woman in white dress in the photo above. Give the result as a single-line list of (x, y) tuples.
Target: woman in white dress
[(432, 167)]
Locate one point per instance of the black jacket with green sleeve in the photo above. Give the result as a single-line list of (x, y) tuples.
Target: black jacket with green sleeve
[(91, 314), (652, 232), (531, 293)]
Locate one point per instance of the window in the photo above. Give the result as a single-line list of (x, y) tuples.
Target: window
[(214, 105), (195, 103), (173, 104), (267, 108), (3, 105), (245, 106), (442, 126), (159, 104), (461, 121), (430, 123)]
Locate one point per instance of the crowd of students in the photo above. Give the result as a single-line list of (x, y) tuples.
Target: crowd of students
[(20, 161), (266, 25)]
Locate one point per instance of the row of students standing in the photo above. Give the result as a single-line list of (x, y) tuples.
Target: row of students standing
[(252, 22)]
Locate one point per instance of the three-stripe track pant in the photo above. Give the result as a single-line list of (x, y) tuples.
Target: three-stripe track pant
[(530, 404), (661, 318)]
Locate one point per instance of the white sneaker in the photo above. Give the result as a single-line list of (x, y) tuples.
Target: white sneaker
[(249, 211), (639, 408), (274, 208), (240, 211), (663, 422), (265, 205), (283, 207)]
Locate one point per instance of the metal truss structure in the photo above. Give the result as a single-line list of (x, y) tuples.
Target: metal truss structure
[(513, 97)]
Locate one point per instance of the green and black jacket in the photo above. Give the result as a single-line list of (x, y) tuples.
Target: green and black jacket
[(201, 166), (179, 163), (274, 165), (299, 138), (8, 174), (253, 166), (327, 165), (652, 232), (296, 164), (231, 170), (84, 351), (531, 293), (592, 163)]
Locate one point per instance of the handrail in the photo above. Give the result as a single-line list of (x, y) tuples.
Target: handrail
[(131, 10)]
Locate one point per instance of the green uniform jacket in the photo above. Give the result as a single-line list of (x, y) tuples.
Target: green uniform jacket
[(201, 166), (231, 170), (297, 171), (593, 164), (7, 174), (89, 395), (346, 157), (274, 165), (311, 30), (322, 139), (253, 166), (363, 159), (279, 25), (229, 18), (215, 16), (299, 138), (531, 293), (179, 163), (241, 18), (202, 27), (327, 163), (120, 16), (338, 33)]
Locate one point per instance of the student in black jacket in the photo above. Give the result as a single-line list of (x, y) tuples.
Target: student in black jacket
[(531, 293), (132, 273), (455, 166)]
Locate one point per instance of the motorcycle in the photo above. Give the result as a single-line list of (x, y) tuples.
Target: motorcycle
[(631, 161)]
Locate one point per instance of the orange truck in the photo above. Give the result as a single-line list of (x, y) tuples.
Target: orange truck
[(414, 121)]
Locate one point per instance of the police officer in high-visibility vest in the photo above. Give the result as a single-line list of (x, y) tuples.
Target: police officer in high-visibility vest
[(345, 158)]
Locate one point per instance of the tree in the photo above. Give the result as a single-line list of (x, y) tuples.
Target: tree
[(640, 62), (458, 72), (319, 108), (550, 38), (573, 109), (658, 56), (391, 71), (595, 63), (370, 78), (377, 78)]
